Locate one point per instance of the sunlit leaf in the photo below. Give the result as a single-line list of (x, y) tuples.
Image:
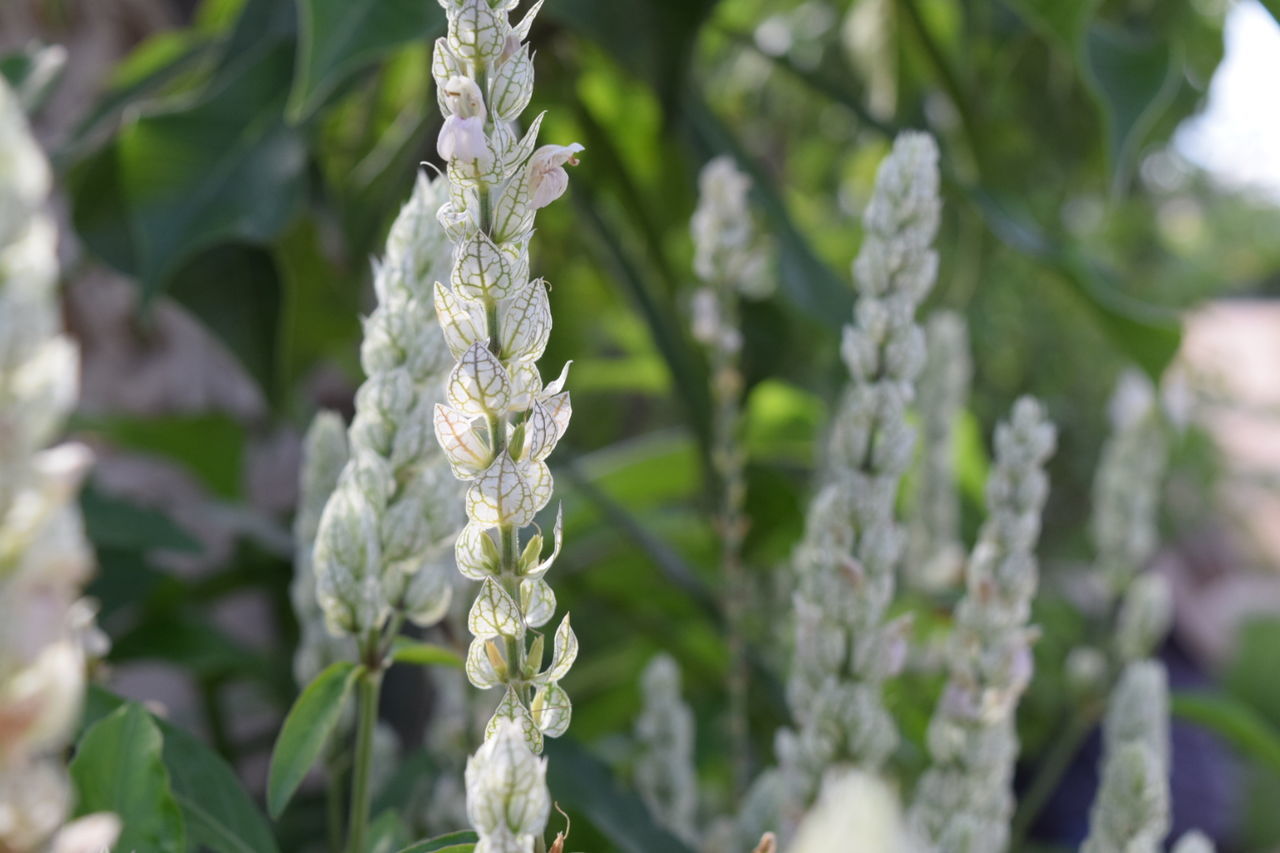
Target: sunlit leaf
[(118, 768), (306, 730)]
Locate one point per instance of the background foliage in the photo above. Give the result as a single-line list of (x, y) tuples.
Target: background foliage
[(246, 165)]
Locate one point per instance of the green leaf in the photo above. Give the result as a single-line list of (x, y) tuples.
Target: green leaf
[(218, 812), (114, 523), (306, 729), (423, 654), (579, 778), (1272, 6), (338, 37), (455, 842), (1062, 23), (209, 446), (118, 768), (224, 168), (237, 293), (1234, 721), (1132, 80)]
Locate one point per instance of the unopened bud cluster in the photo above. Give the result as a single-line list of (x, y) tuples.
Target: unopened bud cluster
[(1131, 811), (935, 554), (46, 629), (845, 647), (664, 772), (499, 422), (382, 541), (965, 800)]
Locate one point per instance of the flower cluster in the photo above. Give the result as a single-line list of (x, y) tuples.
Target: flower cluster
[(935, 554), (664, 771), (46, 628), (382, 541), (965, 799), (846, 564), (499, 422), (507, 797), (1131, 811), (731, 262)]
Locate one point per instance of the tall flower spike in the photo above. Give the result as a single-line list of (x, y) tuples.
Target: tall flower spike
[(731, 263), (1126, 489), (965, 800), (846, 564), (499, 421), (46, 629), (381, 543), (1131, 811), (935, 554), (664, 770)]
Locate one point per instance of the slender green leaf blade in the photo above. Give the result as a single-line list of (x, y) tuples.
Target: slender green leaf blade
[(118, 768), (1234, 721), (454, 842), (339, 37), (424, 654), (308, 725)]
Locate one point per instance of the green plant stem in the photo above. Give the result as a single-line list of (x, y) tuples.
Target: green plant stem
[(1049, 774), (333, 806), (369, 687)]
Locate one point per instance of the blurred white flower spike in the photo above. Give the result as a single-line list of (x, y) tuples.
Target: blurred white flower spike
[(731, 261), (46, 628), (498, 421), (847, 562), (964, 802), (382, 541)]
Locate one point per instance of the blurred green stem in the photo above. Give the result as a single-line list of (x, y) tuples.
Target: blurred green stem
[(369, 687), (1049, 774)]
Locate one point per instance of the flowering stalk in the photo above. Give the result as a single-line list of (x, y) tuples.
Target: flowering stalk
[(46, 628), (383, 537), (499, 422), (935, 555), (1131, 811), (845, 648), (1126, 488), (664, 771), (965, 800), (730, 264)]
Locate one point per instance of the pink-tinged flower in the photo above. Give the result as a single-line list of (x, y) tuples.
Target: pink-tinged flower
[(547, 178), (463, 139)]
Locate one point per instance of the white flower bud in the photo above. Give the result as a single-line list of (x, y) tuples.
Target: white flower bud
[(665, 774), (1194, 842), (551, 710), (463, 139), (512, 84), (507, 797), (546, 175), (524, 321), (502, 495), (478, 384)]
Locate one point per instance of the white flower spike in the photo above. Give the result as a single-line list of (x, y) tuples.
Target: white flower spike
[(500, 423)]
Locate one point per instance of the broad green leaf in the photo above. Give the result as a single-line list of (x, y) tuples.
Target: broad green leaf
[(424, 654), (112, 522), (306, 729), (580, 779), (339, 37), (209, 446), (455, 842), (321, 311), (1234, 721), (1133, 80), (224, 168), (219, 814), (1062, 23), (118, 768), (237, 292), (1249, 674)]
